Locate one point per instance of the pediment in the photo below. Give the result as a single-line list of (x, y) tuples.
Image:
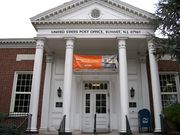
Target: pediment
[(102, 9), (94, 11)]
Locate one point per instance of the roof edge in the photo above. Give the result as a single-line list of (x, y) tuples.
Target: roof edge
[(17, 43)]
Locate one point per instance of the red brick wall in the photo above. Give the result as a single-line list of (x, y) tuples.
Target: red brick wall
[(8, 66), (168, 65)]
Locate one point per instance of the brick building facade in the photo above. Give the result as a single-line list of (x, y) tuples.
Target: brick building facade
[(37, 75)]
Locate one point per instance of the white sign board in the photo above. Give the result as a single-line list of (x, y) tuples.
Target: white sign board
[(108, 33)]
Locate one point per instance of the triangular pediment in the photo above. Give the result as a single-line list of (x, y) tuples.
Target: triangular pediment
[(93, 10)]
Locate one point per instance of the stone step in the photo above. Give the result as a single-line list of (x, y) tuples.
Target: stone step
[(53, 133)]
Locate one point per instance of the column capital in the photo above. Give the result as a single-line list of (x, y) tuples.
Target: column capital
[(70, 42), (40, 41), (121, 43), (142, 59), (151, 47), (49, 58)]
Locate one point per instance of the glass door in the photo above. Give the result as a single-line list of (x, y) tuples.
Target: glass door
[(96, 102)]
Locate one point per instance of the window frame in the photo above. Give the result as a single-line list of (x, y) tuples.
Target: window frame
[(12, 105), (177, 78)]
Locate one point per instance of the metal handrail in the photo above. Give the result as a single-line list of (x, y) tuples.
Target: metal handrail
[(19, 120), (128, 128), (62, 126), (95, 116), (164, 125)]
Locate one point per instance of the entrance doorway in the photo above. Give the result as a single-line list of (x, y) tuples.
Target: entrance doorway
[(95, 101)]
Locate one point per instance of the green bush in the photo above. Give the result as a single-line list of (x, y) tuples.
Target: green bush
[(9, 130), (2, 116), (172, 113)]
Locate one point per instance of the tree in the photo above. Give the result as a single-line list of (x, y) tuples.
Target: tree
[(168, 23)]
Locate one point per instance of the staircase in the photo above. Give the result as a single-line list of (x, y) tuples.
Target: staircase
[(97, 134)]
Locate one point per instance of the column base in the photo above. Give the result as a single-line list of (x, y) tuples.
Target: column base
[(157, 133), (125, 133), (65, 133), (31, 132)]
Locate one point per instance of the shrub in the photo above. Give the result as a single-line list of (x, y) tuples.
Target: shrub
[(172, 113), (2, 116), (9, 130)]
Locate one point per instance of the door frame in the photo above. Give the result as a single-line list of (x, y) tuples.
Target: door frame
[(94, 92)]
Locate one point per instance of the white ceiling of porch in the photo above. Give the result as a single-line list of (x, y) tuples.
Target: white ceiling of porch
[(96, 46)]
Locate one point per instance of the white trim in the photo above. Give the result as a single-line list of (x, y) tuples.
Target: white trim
[(13, 92), (76, 4), (92, 104), (21, 57)]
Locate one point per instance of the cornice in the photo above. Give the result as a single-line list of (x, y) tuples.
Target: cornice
[(73, 4), (18, 43), (80, 22)]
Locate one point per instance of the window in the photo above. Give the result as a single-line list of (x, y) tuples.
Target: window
[(169, 88), (100, 103), (96, 85), (87, 103), (95, 13), (21, 92)]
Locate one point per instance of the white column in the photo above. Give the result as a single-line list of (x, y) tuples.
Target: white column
[(68, 83), (123, 78), (34, 102), (144, 83), (46, 94), (155, 86)]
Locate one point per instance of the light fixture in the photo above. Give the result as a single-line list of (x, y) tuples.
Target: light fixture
[(132, 92), (59, 92)]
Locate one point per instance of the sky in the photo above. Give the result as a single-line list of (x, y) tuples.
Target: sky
[(15, 14)]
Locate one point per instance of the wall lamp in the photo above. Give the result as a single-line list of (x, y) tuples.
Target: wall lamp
[(59, 92), (132, 92)]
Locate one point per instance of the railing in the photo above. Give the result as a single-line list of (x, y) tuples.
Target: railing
[(128, 128), (29, 123), (61, 129), (95, 116), (164, 125), (20, 120)]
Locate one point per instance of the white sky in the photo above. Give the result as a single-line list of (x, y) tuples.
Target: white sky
[(15, 14)]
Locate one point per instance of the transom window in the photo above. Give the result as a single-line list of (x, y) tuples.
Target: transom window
[(95, 85), (169, 88), (22, 92)]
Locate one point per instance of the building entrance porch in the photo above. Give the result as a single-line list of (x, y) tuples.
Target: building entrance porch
[(80, 101)]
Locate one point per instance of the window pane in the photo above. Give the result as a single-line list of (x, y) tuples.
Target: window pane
[(22, 101), (87, 110), (87, 105), (103, 110), (100, 103), (169, 99)]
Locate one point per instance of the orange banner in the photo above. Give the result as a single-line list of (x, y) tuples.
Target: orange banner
[(85, 62)]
